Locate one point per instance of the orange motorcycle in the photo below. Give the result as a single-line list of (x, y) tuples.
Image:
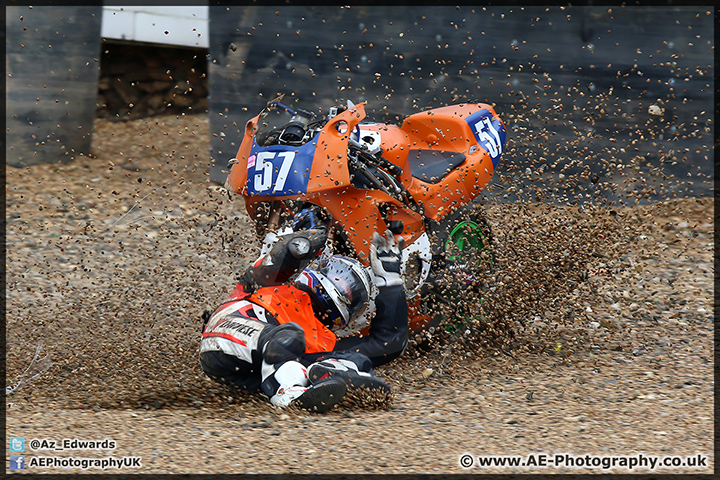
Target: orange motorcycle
[(417, 180)]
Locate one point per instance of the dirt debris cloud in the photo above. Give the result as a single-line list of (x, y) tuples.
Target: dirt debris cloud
[(112, 260)]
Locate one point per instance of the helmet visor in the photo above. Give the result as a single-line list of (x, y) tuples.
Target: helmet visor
[(350, 288)]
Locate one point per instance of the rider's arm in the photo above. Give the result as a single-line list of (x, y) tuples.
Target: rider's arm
[(388, 335), (290, 254)]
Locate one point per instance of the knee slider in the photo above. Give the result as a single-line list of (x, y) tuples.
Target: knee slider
[(284, 343)]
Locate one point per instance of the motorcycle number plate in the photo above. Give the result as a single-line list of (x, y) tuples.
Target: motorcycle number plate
[(489, 133), (278, 170)]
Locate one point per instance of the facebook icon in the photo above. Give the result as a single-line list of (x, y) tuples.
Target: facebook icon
[(17, 462)]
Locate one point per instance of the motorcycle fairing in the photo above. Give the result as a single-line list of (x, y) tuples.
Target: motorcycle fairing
[(279, 170)]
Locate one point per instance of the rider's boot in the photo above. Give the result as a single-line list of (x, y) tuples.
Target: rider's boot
[(294, 389), (347, 371)]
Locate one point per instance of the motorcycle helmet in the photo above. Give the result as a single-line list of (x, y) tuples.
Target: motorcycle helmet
[(338, 286)]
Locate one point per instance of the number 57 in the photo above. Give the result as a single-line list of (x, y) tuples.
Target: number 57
[(492, 142), (264, 166)]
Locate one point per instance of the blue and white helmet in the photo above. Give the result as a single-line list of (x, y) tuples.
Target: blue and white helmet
[(340, 285)]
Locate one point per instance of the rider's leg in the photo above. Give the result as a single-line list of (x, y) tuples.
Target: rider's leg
[(284, 379), (354, 368)]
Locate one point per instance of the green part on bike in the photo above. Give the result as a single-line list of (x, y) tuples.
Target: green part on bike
[(466, 234)]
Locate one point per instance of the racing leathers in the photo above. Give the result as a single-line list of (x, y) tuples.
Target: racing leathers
[(245, 347), (265, 336)]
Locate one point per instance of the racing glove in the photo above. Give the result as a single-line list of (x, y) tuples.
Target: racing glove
[(385, 259), (309, 218)]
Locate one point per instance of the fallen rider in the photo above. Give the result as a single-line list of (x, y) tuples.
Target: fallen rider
[(274, 334)]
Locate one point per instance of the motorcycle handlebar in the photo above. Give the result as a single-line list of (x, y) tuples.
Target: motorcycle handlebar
[(375, 159), (389, 166), (284, 107)]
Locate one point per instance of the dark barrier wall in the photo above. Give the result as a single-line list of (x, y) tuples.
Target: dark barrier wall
[(52, 74), (570, 82)]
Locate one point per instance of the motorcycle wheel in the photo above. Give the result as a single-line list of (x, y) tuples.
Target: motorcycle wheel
[(270, 216), (464, 230), (261, 219), (462, 255)]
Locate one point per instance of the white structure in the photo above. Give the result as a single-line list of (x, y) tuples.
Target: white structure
[(183, 26)]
